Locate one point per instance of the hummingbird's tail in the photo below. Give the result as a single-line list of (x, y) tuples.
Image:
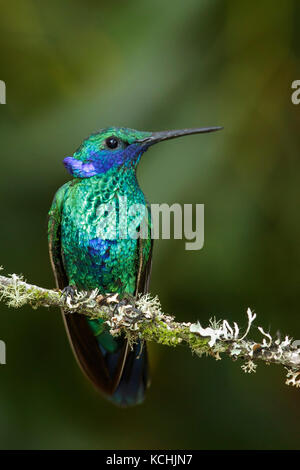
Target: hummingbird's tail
[(134, 379), (116, 370)]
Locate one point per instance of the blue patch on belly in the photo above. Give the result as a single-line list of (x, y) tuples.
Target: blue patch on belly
[(99, 248), (101, 256)]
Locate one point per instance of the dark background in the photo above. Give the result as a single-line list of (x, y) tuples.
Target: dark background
[(75, 66)]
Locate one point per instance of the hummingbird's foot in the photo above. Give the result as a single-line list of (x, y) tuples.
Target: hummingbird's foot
[(69, 298), (69, 291), (126, 299), (121, 303)]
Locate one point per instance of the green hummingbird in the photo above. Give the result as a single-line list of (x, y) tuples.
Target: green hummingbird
[(88, 250)]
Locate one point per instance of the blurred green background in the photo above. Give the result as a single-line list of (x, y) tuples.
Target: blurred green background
[(75, 66)]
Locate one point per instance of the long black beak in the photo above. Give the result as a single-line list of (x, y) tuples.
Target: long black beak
[(167, 135)]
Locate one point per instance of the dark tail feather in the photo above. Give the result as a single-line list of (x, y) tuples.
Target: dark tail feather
[(121, 375), (134, 379)]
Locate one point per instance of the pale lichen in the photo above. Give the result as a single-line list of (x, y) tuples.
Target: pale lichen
[(15, 294), (293, 378), (142, 319), (249, 367)]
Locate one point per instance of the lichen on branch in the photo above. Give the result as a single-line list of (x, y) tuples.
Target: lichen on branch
[(142, 318)]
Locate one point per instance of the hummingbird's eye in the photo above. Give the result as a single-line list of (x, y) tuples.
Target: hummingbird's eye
[(112, 143)]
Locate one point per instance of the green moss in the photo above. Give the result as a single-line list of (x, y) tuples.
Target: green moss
[(160, 333)]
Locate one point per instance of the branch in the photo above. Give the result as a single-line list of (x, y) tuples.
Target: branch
[(142, 318)]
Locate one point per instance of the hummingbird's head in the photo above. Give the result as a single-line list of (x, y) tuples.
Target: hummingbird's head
[(116, 147)]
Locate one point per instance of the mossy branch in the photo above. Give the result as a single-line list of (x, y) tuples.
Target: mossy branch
[(142, 318)]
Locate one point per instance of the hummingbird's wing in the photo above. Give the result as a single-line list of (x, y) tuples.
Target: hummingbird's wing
[(90, 357), (54, 237)]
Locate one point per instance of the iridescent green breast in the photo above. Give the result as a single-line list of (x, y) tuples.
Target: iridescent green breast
[(97, 251)]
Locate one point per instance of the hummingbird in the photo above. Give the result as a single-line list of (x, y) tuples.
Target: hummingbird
[(87, 251)]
